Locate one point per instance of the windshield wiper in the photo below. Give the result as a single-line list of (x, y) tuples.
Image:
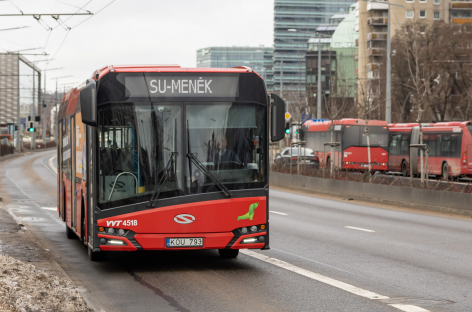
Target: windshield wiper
[(164, 179), (206, 172), (193, 159)]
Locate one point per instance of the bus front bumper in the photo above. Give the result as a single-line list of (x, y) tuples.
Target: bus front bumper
[(226, 240)]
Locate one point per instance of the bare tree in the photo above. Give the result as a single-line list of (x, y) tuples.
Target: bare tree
[(371, 102), (431, 71)]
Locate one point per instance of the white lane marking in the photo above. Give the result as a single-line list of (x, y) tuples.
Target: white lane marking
[(280, 213), (408, 308), (359, 229), (327, 280), (318, 277), (49, 208), (53, 168)]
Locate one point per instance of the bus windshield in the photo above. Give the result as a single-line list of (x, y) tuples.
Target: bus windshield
[(136, 141), (357, 136)]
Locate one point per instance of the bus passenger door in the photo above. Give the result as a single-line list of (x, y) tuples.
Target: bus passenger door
[(66, 169), (60, 194), (73, 178)]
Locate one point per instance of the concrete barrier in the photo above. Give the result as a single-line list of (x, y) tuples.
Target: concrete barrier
[(442, 201)]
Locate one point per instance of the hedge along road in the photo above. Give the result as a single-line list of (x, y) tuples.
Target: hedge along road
[(316, 263)]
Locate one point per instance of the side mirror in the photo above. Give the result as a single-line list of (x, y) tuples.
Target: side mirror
[(277, 118), (88, 103)]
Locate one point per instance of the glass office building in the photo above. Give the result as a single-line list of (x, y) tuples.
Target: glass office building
[(295, 21), (258, 58)]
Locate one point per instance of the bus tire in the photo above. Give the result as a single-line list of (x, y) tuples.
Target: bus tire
[(82, 230), (69, 233), (404, 169), (228, 253), (95, 255), (445, 171)]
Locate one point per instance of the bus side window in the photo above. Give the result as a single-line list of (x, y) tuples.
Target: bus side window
[(405, 148), (393, 150)]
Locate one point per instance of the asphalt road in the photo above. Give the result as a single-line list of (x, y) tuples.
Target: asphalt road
[(409, 259)]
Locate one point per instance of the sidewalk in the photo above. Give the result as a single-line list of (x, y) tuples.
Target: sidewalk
[(30, 278)]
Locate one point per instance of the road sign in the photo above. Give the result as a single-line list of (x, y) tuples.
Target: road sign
[(287, 116), (306, 117)]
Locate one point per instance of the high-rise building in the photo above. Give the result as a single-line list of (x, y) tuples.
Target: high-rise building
[(372, 27), (295, 21), (20, 89), (258, 58), (338, 66)]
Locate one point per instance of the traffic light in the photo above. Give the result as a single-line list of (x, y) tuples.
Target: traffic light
[(31, 128), (287, 128)]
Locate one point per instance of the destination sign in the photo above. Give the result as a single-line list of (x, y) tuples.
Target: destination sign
[(155, 86)]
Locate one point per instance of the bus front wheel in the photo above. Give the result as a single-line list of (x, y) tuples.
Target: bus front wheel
[(69, 233), (228, 253), (445, 171), (96, 256)]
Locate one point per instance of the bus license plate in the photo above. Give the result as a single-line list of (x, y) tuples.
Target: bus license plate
[(184, 242)]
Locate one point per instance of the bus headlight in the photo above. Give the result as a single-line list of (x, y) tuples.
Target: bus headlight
[(116, 242), (121, 232), (244, 230), (249, 240), (253, 228), (111, 231)]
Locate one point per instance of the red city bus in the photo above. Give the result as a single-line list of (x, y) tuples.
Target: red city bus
[(165, 158), (399, 147), (450, 145), (352, 152)]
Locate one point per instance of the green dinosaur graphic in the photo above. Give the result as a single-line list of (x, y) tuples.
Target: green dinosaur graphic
[(250, 214)]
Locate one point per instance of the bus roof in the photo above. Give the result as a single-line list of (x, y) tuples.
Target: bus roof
[(444, 128), (69, 105), (324, 125), (452, 123), (172, 68)]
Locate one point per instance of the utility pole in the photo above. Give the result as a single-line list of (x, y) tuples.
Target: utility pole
[(43, 121), (282, 78), (388, 110), (33, 117), (318, 93)]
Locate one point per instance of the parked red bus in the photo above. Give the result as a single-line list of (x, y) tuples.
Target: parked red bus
[(399, 146), (352, 152), (167, 158), (450, 145)]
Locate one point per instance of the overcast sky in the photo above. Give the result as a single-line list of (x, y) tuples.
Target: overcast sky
[(132, 31)]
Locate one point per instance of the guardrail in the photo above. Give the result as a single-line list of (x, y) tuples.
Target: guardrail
[(422, 199)]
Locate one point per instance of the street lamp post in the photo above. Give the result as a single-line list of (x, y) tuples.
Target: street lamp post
[(318, 96), (388, 91)]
